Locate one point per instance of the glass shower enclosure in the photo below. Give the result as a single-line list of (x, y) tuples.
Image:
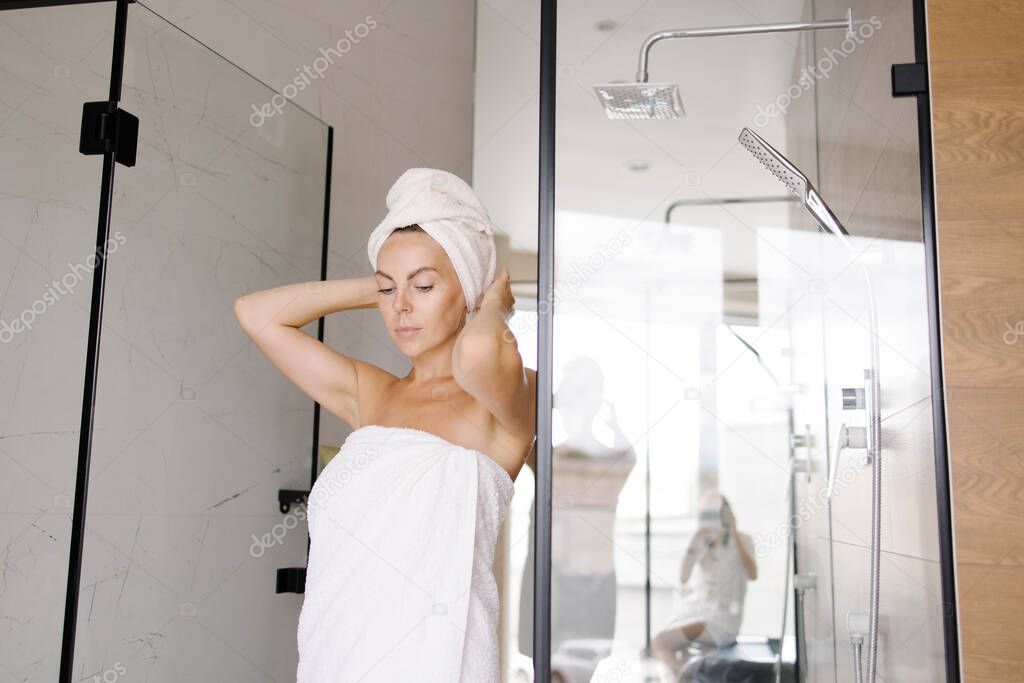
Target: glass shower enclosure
[(741, 460), (182, 441), (747, 474)]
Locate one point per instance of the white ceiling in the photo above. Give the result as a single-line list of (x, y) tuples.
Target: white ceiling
[(721, 81)]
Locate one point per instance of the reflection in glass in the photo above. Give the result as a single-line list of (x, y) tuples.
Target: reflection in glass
[(592, 471), (710, 609), (739, 345)]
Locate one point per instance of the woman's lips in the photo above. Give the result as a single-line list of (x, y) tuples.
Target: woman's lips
[(406, 331)]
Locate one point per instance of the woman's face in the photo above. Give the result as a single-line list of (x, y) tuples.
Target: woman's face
[(418, 289)]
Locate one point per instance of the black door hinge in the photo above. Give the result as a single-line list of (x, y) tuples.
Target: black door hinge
[(106, 129), (909, 79), (291, 580), (288, 497)]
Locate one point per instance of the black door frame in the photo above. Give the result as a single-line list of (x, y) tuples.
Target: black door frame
[(545, 345), (943, 481)]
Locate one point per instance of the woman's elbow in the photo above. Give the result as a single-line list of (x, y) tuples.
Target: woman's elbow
[(243, 311)]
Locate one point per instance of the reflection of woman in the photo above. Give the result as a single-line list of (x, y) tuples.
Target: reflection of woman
[(403, 521), (588, 476), (713, 612)]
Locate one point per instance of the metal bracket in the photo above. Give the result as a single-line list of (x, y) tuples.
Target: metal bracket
[(288, 497), (802, 465), (853, 398), (802, 440), (909, 79), (805, 582), (291, 580), (106, 128)]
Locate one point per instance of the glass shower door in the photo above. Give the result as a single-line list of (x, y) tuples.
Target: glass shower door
[(720, 449), (195, 433), (677, 401), (51, 60)]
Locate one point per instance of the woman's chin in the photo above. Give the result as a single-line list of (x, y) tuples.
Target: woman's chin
[(408, 344)]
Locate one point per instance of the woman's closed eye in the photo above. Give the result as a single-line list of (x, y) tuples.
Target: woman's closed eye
[(422, 288)]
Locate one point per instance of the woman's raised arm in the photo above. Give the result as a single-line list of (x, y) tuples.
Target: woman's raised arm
[(272, 319)]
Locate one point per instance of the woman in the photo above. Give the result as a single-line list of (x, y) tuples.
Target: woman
[(591, 474), (713, 613), (403, 520)]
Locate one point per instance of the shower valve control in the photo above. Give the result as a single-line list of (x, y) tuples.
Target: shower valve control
[(854, 437), (801, 440), (848, 437), (857, 623), (804, 582), (853, 398)]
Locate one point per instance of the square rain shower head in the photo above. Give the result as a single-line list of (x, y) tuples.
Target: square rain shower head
[(640, 100)]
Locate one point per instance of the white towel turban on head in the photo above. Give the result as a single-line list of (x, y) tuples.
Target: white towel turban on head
[(450, 212)]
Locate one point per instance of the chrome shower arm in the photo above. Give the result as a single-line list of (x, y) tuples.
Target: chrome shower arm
[(825, 218), (641, 74)]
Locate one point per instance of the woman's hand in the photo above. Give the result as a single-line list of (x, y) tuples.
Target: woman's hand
[(499, 293), (728, 518)]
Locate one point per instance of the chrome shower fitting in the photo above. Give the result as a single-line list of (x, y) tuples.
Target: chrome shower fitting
[(643, 100), (857, 626), (801, 584), (799, 185), (848, 437), (640, 100), (796, 182)]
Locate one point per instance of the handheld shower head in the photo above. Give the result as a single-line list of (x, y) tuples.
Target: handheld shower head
[(771, 159), (794, 179), (640, 100)]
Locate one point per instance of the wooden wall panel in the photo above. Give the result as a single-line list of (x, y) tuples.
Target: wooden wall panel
[(977, 89)]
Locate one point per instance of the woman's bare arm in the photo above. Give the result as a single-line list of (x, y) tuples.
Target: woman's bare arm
[(272, 319), (749, 563), (691, 556), (487, 364)]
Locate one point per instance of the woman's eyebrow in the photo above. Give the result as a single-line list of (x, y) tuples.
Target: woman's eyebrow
[(410, 275)]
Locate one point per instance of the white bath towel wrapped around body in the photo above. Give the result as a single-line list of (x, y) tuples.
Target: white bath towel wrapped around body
[(400, 585)]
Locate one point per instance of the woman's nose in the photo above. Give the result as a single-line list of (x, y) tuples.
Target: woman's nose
[(401, 302)]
